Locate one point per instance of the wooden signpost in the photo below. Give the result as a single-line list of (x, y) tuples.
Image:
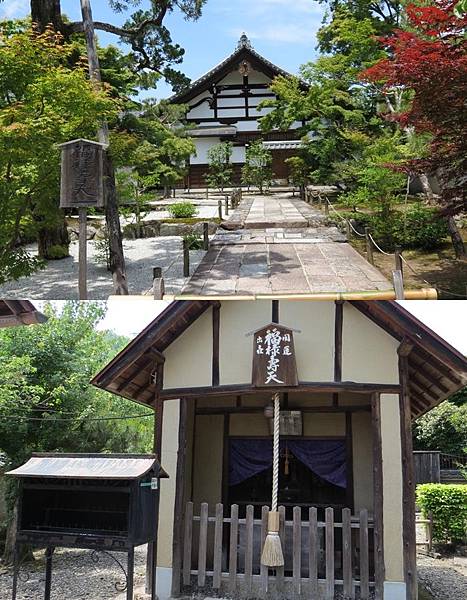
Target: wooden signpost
[(82, 185), (274, 363)]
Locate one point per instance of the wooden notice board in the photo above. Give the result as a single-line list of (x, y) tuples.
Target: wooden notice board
[(82, 180)]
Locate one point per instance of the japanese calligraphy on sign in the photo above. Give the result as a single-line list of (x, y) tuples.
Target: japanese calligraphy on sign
[(82, 180), (274, 357)]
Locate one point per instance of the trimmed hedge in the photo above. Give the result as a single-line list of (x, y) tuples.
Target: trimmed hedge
[(448, 505), (182, 210)]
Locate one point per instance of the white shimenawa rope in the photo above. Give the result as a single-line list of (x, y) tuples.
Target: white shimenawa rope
[(275, 462)]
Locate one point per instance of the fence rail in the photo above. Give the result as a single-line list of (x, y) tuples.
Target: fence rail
[(223, 553)]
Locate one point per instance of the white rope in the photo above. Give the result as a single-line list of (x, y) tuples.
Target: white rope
[(343, 218), (275, 462), (378, 248)]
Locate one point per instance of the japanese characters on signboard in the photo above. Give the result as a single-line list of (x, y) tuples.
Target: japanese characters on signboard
[(82, 174), (274, 361)]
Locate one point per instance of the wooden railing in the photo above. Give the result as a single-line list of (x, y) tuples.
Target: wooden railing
[(321, 557)]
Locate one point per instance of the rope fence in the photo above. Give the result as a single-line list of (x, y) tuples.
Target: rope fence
[(371, 242)]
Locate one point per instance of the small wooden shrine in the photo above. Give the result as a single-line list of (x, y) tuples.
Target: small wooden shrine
[(351, 376)]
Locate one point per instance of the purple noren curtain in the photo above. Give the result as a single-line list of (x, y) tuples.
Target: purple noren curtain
[(326, 458)]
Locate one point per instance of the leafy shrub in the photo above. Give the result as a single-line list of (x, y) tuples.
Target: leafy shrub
[(183, 210), (420, 227), (58, 252), (444, 429), (448, 505), (195, 242)]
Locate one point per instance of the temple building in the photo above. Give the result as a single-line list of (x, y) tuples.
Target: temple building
[(223, 106)]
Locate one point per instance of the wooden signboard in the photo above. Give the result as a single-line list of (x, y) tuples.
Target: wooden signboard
[(274, 362), (82, 181)]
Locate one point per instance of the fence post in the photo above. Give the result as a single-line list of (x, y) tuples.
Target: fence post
[(348, 229), (398, 259), (226, 206), (186, 259), (219, 207), (326, 207), (158, 285), (430, 531), (369, 247), (206, 236)]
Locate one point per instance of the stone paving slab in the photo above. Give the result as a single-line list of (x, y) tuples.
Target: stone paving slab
[(249, 269)]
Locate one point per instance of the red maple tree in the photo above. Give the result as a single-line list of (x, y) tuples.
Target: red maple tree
[(429, 57)]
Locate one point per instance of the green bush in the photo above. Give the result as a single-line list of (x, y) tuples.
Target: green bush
[(194, 241), (420, 227), (183, 210), (58, 252), (448, 505)]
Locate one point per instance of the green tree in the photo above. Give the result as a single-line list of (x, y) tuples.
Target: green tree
[(258, 167), (220, 166), (299, 172), (43, 102), (444, 428)]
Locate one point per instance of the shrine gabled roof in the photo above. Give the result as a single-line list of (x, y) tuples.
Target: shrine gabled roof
[(19, 312), (436, 369), (244, 51)]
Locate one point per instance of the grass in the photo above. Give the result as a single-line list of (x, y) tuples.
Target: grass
[(191, 221)]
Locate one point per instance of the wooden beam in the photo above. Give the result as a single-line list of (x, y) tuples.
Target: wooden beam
[(429, 377), (179, 506), (349, 462), (253, 410), (416, 383), (378, 496), (275, 311), (338, 329), (303, 386), (408, 482), (225, 460), (215, 345)]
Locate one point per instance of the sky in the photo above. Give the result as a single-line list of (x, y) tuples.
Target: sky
[(446, 317), (283, 31)]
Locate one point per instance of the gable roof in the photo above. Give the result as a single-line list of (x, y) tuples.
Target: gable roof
[(19, 312), (437, 370), (244, 51)]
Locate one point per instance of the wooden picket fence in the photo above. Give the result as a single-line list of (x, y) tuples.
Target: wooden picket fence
[(321, 557)]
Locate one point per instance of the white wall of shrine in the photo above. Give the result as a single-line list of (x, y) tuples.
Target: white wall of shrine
[(369, 354), (203, 146)]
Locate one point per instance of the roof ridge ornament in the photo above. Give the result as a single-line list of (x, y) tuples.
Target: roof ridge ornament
[(244, 42)]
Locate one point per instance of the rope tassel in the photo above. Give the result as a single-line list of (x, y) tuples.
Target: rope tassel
[(272, 555)]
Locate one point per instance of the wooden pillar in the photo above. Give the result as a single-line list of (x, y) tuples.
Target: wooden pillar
[(130, 573), (48, 572), (15, 572), (408, 479), (179, 506), (378, 496), (157, 448), (349, 494), (215, 344)]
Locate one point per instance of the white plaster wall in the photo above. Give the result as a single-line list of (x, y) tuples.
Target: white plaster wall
[(188, 361), (392, 488), (314, 346), (170, 426), (369, 354), (202, 148)]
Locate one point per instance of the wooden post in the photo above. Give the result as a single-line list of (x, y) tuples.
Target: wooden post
[(378, 496), (398, 259), (151, 563), (179, 526), (398, 282), (408, 479), (226, 206), (206, 236), (219, 207), (48, 572), (326, 208), (348, 229), (186, 259), (130, 573), (82, 258), (112, 214), (369, 247), (207, 192), (158, 285), (15, 572)]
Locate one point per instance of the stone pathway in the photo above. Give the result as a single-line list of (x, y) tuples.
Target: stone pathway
[(279, 245)]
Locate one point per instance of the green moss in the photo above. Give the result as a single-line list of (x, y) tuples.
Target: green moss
[(57, 252)]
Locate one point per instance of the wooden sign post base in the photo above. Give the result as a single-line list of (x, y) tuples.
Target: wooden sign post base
[(83, 251)]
